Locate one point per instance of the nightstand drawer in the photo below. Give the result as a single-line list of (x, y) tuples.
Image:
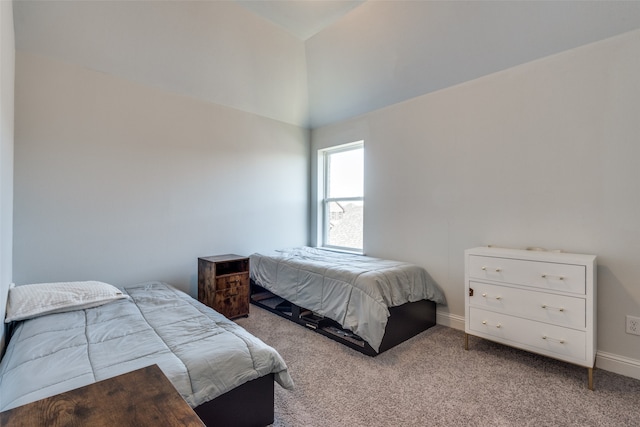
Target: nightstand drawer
[(543, 275), (232, 281), (232, 302), (554, 340), (559, 310)]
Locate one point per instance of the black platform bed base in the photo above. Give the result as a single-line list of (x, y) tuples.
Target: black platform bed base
[(405, 321), (248, 405)]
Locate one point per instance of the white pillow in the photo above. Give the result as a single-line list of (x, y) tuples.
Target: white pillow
[(27, 301)]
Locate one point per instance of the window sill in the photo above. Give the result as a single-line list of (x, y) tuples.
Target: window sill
[(341, 250)]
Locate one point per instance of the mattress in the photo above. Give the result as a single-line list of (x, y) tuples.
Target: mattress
[(354, 290), (201, 352)]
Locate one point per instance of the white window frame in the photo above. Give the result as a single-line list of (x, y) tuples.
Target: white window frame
[(325, 201)]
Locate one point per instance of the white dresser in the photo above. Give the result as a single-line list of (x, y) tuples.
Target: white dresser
[(539, 301)]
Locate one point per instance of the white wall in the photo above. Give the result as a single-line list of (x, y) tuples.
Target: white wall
[(7, 68), (544, 154), (121, 182), (151, 133)]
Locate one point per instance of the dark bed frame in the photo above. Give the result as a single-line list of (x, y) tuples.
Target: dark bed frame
[(248, 405), (405, 321)]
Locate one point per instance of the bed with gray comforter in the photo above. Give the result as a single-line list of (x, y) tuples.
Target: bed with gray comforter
[(354, 290), (201, 352)]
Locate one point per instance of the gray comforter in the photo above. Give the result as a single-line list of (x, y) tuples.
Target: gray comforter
[(354, 290), (199, 350)]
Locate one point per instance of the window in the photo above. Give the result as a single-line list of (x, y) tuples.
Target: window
[(343, 196)]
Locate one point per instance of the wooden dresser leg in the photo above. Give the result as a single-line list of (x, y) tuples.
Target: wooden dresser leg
[(590, 374), (466, 341)]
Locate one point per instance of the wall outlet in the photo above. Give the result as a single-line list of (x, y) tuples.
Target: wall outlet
[(633, 325)]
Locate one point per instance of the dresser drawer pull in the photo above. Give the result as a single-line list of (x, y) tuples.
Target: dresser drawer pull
[(498, 325), (498, 297), (554, 308), (550, 276), (561, 341), (497, 270)]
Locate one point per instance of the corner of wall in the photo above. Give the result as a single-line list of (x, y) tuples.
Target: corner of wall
[(7, 80)]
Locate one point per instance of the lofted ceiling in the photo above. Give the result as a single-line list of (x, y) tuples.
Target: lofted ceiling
[(311, 62), (302, 18)]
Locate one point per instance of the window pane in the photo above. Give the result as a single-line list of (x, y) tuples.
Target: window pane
[(345, 224), (346, 174)]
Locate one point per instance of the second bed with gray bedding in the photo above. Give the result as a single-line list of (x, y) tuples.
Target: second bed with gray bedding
[(354, 290)]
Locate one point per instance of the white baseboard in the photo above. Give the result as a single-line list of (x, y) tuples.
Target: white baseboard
[(605, 361), (618, 364), (451, 320)]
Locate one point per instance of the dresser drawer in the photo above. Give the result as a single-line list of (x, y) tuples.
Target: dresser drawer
[(232, 281), (543, 275), (515, 331), (559, 310)]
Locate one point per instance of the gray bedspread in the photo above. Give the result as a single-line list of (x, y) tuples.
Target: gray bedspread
[(199, 350), (354, 290)]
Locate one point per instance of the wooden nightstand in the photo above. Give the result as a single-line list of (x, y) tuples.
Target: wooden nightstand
[(144, 397), (223, 284)]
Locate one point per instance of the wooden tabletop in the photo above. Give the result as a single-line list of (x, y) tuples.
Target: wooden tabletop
[(140, 398)]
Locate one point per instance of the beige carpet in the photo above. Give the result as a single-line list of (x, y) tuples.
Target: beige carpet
[(431, 380)]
